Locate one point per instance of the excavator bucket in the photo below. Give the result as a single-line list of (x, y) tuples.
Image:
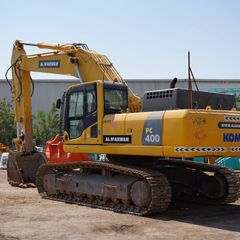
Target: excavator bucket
[(22, 168)]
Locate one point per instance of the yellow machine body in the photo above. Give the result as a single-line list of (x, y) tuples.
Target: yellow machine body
[(173, 133)]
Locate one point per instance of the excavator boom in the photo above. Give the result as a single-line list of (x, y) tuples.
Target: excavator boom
[(69, 59)]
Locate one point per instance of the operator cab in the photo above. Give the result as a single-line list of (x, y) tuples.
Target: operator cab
[(84, 106)]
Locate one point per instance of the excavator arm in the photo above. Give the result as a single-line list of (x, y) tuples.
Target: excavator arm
[(70, 59)]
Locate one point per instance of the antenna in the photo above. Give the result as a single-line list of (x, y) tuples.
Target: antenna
[(190, 77), (190, 105)]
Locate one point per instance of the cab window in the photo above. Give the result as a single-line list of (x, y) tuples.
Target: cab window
[(115, 100), (91, 101), (75, 115)]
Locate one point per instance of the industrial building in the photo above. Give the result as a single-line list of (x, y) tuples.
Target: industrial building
[(47, 91)]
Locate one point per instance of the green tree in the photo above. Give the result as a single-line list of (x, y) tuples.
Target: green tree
[(45, 125), (7, 125)]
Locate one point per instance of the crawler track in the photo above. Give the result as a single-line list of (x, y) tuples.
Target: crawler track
[(159, 185), (161, 192), (232, 179)]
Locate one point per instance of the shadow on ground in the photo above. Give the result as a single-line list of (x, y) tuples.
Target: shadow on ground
[(225, 217)]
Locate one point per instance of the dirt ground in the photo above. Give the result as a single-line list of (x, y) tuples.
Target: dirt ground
[(24, 215)]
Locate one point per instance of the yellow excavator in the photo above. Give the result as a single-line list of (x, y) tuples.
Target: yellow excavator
[(150, 143)]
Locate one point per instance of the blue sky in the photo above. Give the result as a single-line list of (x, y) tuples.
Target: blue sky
[(144, 39)]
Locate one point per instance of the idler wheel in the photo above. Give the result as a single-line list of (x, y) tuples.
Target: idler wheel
[(140, 193)]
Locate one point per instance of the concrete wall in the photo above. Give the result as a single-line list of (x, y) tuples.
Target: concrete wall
[(48, 91)]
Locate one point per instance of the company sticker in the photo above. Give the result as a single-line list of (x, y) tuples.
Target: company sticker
[(152, 130), (231, 137), (229, 125), (49, 64), (117, 139)]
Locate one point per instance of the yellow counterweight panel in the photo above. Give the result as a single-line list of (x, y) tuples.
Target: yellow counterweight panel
[(190, 133)]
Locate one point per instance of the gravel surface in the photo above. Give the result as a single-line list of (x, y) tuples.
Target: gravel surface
[(24, 215)]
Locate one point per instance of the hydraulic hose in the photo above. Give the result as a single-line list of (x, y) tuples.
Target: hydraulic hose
[(19, 79)]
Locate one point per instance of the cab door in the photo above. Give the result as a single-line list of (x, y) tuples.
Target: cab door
[(81, 115), (74, 116), (92, 118)]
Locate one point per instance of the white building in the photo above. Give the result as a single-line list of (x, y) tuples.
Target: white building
[(47, 92)]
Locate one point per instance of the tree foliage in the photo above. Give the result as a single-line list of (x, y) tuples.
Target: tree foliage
[(7, 125), (45, 125)]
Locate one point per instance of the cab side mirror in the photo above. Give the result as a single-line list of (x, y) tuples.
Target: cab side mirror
[(58, 103)]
